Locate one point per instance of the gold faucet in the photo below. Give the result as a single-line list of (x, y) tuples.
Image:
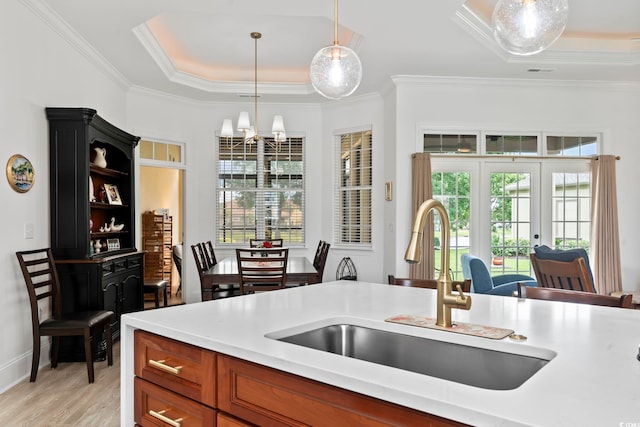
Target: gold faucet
[(446, 299)]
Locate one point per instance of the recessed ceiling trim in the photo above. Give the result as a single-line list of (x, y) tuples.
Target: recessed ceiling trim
[(150, 44), (169, 69), (559, 53)]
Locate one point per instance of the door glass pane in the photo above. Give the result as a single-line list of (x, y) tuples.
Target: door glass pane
[(510, 222), (452, 189), (571, 214)]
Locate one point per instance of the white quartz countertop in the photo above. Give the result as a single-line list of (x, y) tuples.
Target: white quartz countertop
[(594, 380)]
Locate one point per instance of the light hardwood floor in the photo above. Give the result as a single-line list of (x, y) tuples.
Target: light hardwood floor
[(64, 397)]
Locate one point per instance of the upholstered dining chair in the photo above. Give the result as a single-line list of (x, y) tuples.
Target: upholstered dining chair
[(41, 278), (262, 269), (483, 283), (426, 283), (552, 294)]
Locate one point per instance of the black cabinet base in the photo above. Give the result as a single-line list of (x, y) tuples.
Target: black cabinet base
[(112, 283)]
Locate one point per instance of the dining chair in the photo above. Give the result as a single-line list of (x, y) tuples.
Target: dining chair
[(262, 269), (571, 275), (176, 255), (256, 243), (552, 294), (209, 254), (320, 259), (202, 267), (426, 283), (41, 278)]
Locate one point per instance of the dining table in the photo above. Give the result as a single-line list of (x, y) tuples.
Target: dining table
[(299, 271)]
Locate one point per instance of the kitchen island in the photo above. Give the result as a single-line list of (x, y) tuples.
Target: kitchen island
[(592, 380)]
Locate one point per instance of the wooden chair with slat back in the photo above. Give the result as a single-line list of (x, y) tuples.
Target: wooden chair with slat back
[(320, 259), (570, 275), (41, 278), (552, 294), (210, 255), (275, 243), (262, 273), (202, 266), (427, 283)]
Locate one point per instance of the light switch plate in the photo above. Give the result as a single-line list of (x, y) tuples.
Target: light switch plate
[(28, 230)]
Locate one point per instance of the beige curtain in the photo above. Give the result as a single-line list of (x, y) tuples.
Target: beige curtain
[(605, 239), (421, 191)]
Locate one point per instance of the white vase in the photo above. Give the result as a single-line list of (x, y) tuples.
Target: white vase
[(101, 157)]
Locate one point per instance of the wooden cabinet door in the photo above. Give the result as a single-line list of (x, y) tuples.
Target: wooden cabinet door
[(268, 397)]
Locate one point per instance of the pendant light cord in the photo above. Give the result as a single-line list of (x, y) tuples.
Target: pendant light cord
[(255, 36), (335, 23)]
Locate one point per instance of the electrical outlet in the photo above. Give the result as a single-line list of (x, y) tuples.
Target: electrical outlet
[(28, 230)]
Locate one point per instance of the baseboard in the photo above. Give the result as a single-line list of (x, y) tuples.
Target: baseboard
[(19, 369)]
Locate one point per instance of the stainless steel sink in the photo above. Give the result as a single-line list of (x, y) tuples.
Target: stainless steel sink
[(475, 366)]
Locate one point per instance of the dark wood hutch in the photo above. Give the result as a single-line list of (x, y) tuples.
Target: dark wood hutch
[(92, 235)]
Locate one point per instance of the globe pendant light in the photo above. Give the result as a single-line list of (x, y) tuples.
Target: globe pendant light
[(526, 27), (336, 70)]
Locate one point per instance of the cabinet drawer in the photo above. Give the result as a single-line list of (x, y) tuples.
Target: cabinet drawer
[(226, 420), (180, 367), (268, 397), (156, 406)]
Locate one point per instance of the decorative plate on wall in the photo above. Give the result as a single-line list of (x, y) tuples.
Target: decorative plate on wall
[(20, 173)]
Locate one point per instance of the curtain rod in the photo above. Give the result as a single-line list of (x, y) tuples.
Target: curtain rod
[(477, 156)]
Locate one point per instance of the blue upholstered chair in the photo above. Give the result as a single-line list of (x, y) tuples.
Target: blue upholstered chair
[(482, 283)]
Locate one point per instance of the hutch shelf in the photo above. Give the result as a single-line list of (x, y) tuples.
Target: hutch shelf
[(93, 218)]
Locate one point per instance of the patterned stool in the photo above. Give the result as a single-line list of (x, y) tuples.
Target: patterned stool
[(155, 288)]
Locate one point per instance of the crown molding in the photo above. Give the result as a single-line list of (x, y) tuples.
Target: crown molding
[(174, 74), (75, 40), (480, 30), (401, 80)]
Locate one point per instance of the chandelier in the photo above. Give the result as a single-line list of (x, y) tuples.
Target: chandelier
[(251, 134), (335, 70), (526, 27)]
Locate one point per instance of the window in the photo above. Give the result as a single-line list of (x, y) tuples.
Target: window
[(354, 188), (260, 191), (161, 152), (450, 144)]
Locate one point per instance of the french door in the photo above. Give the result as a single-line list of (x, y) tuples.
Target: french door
[(506, 207)]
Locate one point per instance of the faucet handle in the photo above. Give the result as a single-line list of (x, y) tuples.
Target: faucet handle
[(459, 289)]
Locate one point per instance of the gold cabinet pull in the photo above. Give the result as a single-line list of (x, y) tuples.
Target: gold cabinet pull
[(160, 365), (158, 415)]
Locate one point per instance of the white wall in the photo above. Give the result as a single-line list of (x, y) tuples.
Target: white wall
[(521, 105), (39, 70), (354, 113)]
